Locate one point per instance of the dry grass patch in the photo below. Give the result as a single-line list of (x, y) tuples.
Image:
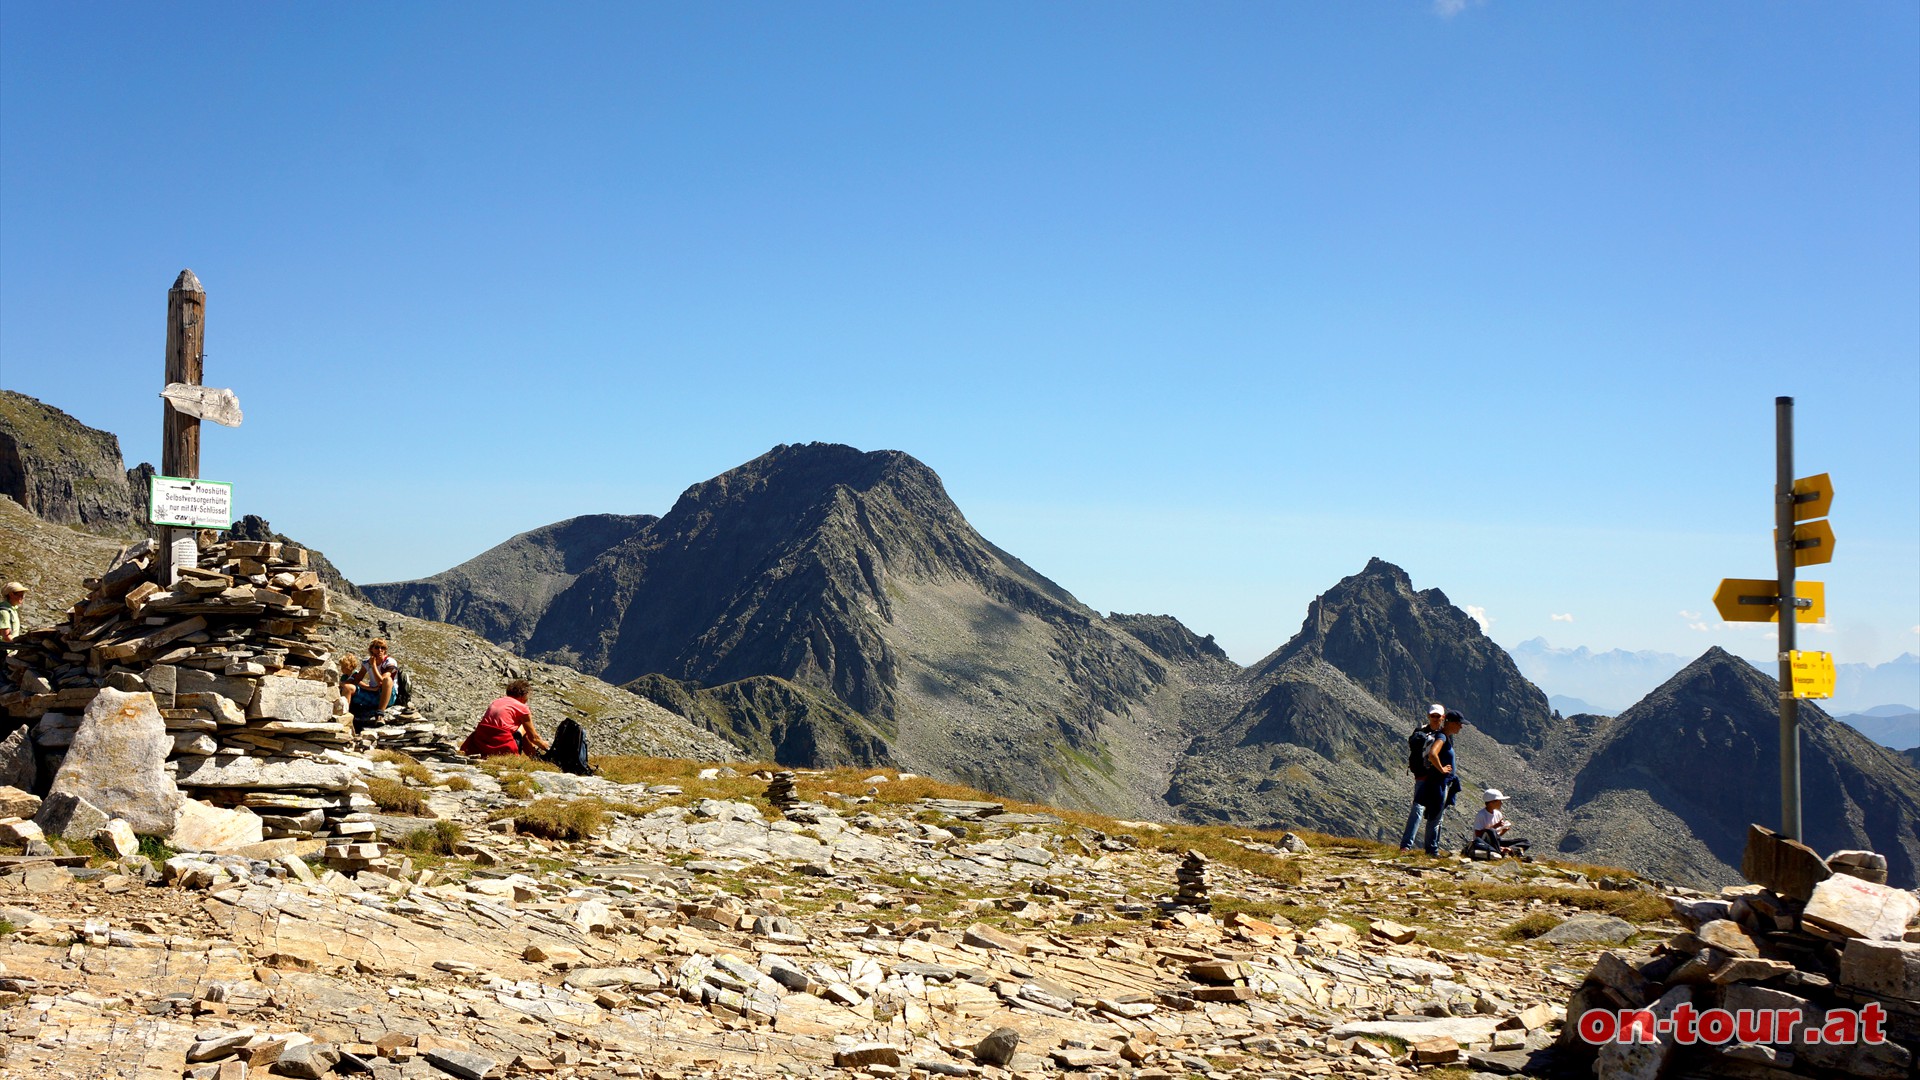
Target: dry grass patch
[(458, 783), (410, 767), (1530, 926), (1631, 905), (395, 797), (558, 819), (516, 763)]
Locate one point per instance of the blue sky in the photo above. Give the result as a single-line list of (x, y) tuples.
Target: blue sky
[(1194, 307)]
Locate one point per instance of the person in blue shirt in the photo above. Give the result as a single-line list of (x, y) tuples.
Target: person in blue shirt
[(1438, 786)]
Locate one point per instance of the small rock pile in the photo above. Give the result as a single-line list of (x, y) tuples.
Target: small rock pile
[(1820, 936), (410, 733), (1192, 879), (227, 668), (780, 791)]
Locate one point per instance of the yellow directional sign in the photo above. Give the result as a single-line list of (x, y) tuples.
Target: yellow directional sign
[(1813, 497), (1757, 600), (1812, 542), (1813, 674)]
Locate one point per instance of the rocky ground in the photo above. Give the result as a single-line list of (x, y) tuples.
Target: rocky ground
[(690, 930)]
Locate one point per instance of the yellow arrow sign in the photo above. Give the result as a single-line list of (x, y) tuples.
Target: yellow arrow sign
[(1813, 674), (1758, 600), (1812, 497), (1812, 542)]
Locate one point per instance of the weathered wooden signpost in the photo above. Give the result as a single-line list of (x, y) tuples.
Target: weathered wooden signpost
[(178, 500)]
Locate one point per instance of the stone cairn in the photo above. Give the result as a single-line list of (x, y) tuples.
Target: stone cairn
[(780, 791), (1812, 934), (235, 660), (413, 734), (1192, 879)]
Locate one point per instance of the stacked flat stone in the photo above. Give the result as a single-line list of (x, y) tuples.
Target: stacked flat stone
[(236, 659), (780, 791), (1808, 934), (1192, 879), (411, 733)]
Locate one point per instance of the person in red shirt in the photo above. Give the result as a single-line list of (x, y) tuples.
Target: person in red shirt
[(507, 727)]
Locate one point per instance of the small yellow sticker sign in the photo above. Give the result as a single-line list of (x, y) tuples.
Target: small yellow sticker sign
[(1756, 600), (1813, 674)]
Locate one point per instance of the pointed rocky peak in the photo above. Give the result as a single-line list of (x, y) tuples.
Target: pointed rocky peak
[(1408, 649), (803, 473), (1720, 684), (1706, 745)]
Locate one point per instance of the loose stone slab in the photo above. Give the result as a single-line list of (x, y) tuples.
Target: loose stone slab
[(204, 827), (257, 773), (1861, 909), (1464, 1030), (17, 803), (1788, 867), (304, 701), (1882, 967), (17, 766), (118, 762)]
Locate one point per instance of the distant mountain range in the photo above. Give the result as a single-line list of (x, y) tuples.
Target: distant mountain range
[(822, 605), (1580, 680)]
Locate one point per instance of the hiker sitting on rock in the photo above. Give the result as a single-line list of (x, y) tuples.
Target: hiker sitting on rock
[(507, 727), (1490, 827), (373, 684), (349, 667), (11, 598)]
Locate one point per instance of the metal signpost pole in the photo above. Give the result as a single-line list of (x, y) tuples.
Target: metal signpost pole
[(1783, 545)]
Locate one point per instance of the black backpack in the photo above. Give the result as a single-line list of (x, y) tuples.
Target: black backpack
[(569, 749), (1417, 751), (402, 690)]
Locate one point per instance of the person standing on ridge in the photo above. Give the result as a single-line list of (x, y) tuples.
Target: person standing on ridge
[(1417, 746), (1437, 788)]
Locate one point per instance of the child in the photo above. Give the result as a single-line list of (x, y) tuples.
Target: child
[(1490, 827)]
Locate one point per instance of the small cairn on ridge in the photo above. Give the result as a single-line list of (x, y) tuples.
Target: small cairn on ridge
[(1809, 934), (235, 659), (780, 791), (1192, 878)]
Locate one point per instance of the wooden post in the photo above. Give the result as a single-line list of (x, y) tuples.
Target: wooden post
[(180, 433)]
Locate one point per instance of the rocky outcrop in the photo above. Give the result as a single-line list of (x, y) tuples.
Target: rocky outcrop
[(1170, 639), (502, 593), (773, 719), (1678, 778), (65, 472)]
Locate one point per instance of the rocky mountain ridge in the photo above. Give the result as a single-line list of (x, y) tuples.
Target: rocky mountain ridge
[(822, 605), (65, 472)]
